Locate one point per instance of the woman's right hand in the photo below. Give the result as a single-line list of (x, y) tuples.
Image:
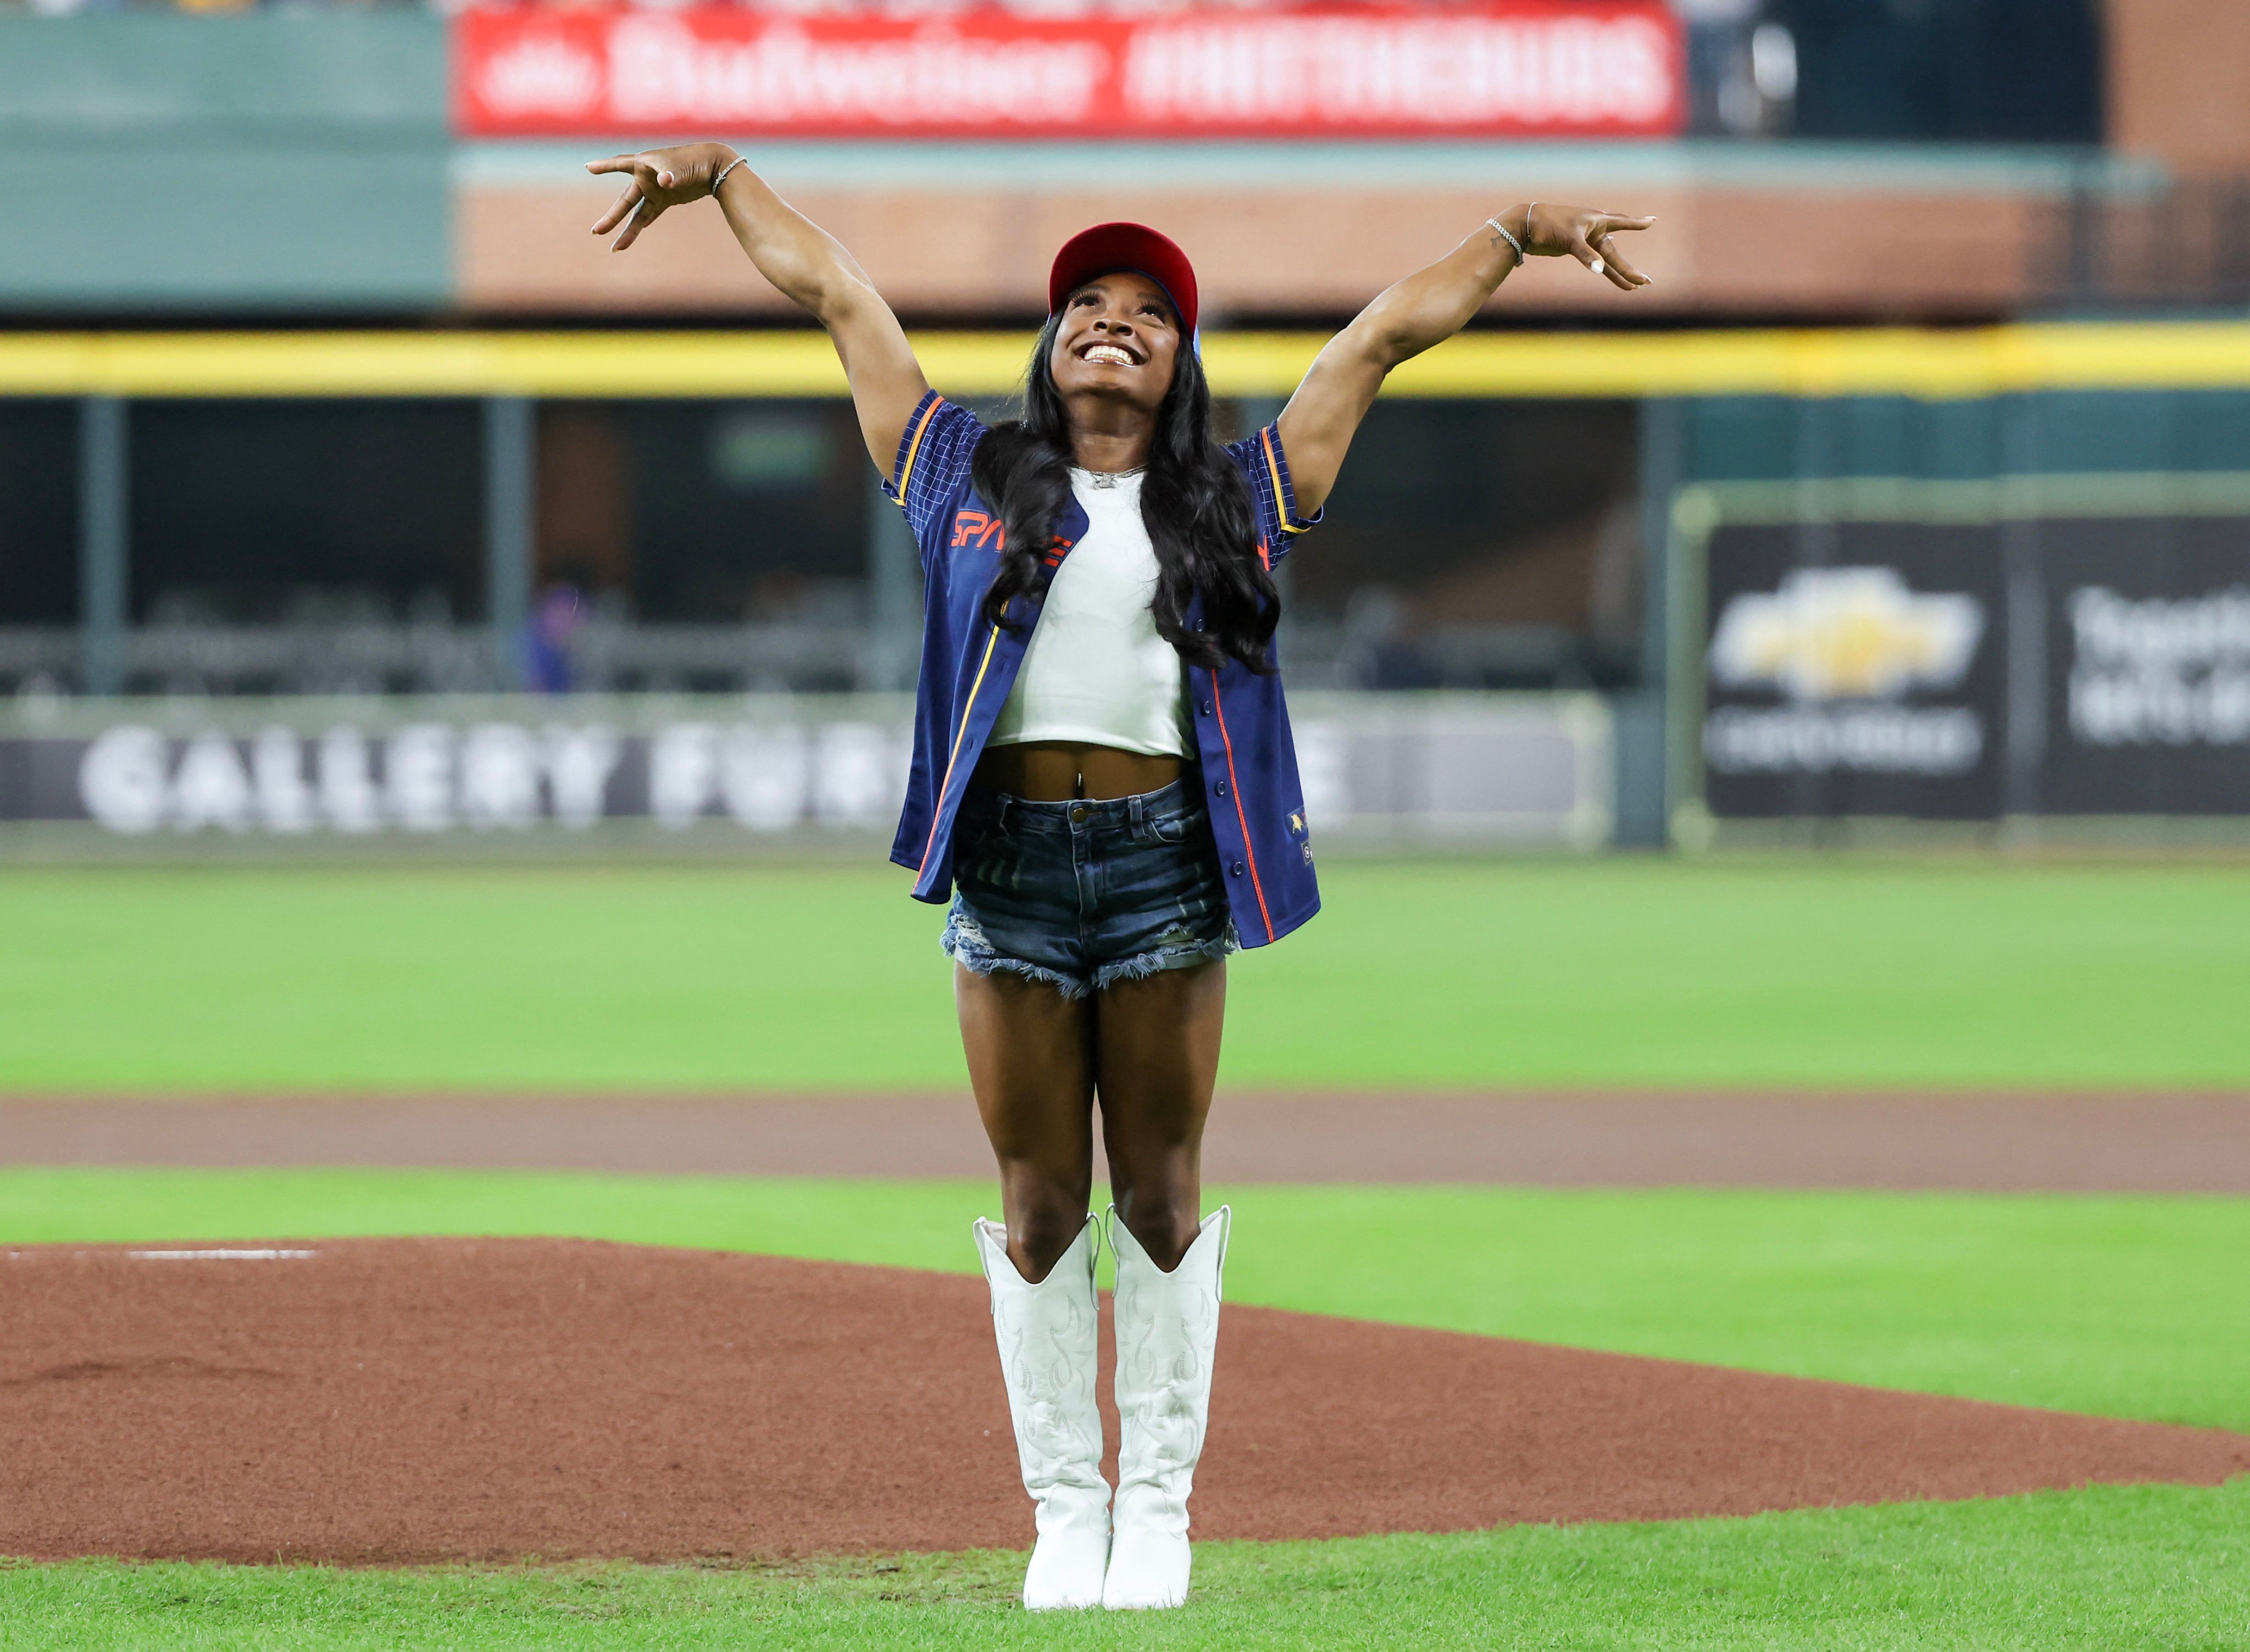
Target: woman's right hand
[(806, 264), (660, 179)]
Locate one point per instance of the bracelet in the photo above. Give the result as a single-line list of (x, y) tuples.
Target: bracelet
[(1496, 224), (724, 171), (1528, 212)]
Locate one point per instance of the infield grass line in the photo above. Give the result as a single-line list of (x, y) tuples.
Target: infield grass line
[(1601, 973), (2130, 1305), (2131, 1568)]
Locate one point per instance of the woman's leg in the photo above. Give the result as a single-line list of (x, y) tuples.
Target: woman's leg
[(1157, 1042), (1031, 1065), (1157, 1056)]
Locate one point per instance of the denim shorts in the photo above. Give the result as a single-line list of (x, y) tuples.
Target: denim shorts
[(1085, 894)]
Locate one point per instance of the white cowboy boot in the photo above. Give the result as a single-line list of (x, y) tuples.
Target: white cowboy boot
[(1167, 1335), (1048, 1334)]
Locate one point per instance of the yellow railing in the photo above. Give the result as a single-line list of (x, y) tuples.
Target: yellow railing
[(1930, 365)]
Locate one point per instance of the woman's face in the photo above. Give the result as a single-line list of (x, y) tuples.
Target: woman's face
[(1119, 341)]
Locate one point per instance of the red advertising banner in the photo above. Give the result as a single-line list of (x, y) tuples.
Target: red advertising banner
[(1505, 68)]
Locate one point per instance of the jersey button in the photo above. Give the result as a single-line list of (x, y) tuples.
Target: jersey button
[(1236, 869), (1205, 708), (1220, 789)]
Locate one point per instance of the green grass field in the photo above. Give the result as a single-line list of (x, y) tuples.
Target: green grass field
[(1593, 972), (2143, 1567), (1578, 973)]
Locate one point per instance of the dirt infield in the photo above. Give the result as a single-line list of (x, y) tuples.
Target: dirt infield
[(419, 1399), (2157, 1143)]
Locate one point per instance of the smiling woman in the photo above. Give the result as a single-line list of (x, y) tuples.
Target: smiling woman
[(1103, 783)]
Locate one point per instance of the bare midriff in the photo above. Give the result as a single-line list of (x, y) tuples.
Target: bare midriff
[(1057, 771)]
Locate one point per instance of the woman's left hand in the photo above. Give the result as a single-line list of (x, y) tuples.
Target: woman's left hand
[(1426, 308), (1551, 229)]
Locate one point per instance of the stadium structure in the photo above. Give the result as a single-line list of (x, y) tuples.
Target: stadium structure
[(339, 398)]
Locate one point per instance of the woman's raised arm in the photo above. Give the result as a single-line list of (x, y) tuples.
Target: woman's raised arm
[(802, 259), (1427, 308)]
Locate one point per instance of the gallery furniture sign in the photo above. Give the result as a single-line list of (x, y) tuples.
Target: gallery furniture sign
[(1499, 68), (1534, 768)]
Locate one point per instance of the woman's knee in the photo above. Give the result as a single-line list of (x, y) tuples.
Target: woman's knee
[(1161, 1214), (1045, 1215)]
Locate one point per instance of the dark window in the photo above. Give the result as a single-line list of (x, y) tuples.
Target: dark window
[(1505, 532), (39, 512), (1992, 71), (734, 512), (260, 511)]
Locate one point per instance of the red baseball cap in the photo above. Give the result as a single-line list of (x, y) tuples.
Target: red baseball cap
[(1108, 248)]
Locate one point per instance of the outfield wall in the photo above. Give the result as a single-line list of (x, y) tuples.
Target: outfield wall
[(1959, 576), (2021, 606)]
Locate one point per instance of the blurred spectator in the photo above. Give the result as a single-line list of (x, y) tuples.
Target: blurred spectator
[(560, 616), (1741, 68)]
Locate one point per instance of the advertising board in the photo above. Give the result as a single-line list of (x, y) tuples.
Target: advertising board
[(1533, 768), (2148, 652), (1494, 68), (2080, 666), (1869, 682)]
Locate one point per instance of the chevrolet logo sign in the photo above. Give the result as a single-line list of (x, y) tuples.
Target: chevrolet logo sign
[(1840, 633)]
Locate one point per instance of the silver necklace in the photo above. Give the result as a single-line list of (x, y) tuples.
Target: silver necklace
[(1111, 479)]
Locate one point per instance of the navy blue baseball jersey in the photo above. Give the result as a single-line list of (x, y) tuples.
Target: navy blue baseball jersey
[(969, 664)]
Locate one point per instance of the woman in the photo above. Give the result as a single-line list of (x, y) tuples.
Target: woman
[(1103, 782)]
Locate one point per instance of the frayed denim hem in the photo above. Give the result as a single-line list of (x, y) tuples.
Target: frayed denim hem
[(1146, 964), (1069, 986), (964, 942), (978, 959)]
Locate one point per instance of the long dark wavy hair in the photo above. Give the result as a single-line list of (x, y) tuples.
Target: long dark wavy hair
[(1193, 500)]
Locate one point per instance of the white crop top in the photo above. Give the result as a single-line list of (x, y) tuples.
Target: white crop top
[(1096, 673)]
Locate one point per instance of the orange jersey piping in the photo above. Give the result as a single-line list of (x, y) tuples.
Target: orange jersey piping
[(937, 813), (1280, 493), (914, 447), (1234, 787)]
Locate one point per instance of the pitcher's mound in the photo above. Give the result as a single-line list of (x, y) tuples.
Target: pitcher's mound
[(420, 1399)]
